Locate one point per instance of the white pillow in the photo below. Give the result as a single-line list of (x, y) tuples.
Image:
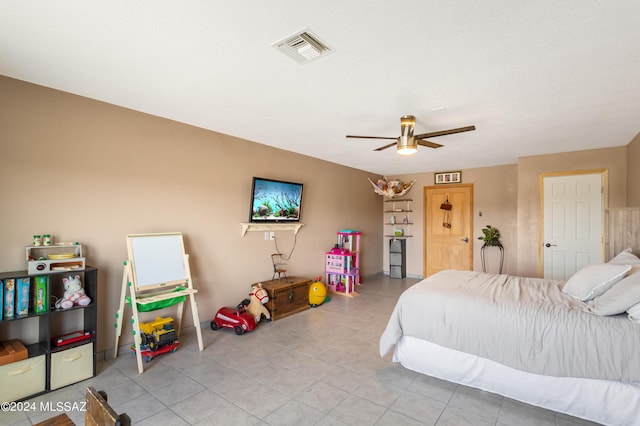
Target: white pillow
[(626, 257), (634, 313), (594, 280), (619, 298)]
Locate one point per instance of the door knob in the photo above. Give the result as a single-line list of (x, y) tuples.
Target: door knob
[(551, 245), (465, 239)]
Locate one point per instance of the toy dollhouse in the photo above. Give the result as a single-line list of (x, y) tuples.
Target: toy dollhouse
[(342, 265)]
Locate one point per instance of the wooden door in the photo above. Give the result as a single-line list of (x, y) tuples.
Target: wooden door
[(572, 223), (448, 247)]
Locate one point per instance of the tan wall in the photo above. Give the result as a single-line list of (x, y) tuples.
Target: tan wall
[(495, 195), (633, 172), (87, 171), (529, 168), (92, 172), (507, 196)]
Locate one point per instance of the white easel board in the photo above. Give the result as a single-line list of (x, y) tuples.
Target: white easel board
[(157, 267), (157, 260)]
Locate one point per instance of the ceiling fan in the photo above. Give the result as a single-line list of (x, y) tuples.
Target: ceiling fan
[(407, 143)]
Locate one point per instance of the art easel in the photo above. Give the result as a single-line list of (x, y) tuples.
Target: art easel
[(157, 270)]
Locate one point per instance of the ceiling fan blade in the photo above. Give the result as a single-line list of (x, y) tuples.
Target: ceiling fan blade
[(429, 144), (371, 137), (445, 132), (385, 147)]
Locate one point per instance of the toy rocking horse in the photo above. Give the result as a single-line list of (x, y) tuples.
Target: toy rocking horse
[(258, 297)]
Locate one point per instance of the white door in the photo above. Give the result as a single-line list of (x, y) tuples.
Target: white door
[(572, 223)]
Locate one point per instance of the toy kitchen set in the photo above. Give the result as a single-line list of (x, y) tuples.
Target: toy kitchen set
[(47, 259)]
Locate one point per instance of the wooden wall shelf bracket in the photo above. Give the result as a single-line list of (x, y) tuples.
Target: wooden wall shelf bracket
[(262, 227)]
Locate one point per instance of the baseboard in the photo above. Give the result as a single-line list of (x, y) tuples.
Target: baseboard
[(420, 277)]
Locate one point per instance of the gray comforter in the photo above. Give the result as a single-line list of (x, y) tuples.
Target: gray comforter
[(524, 323)]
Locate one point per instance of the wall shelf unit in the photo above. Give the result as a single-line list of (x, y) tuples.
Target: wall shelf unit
[(397, 217), (268, 227)]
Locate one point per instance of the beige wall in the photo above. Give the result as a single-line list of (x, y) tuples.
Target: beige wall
[(633, 172), (507, 196), (87, 171), (92, 172), (529, 169), (495, 196)]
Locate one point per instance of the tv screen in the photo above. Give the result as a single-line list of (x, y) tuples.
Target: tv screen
[(275, 201)]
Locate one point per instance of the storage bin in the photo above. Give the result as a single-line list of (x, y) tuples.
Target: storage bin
[(71, 365), (396, 246), (396, 272), (22, 378), (395, 259)]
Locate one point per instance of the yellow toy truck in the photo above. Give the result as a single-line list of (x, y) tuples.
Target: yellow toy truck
[(157, 334)]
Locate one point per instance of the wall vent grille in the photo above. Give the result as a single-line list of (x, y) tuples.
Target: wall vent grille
[(303, 47)]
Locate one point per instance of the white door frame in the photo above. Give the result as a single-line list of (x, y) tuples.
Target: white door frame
[(605, 204)]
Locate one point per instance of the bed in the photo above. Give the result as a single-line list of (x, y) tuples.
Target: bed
[(529, 339)]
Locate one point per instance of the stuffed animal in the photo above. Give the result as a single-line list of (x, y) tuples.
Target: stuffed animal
[(257, 300), (391, 188), (74, 294)]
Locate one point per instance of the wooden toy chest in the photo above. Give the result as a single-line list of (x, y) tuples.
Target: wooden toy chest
[(287, 296)]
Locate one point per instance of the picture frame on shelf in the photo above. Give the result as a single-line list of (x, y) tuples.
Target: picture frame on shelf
[(447, 177)]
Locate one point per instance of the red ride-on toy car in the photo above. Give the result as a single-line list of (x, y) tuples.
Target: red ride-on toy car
[(237, 318)]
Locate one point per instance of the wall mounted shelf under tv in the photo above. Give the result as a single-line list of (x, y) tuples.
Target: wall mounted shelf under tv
[(262, 227)]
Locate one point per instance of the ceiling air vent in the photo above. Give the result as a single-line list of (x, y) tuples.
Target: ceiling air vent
[(303, 46)]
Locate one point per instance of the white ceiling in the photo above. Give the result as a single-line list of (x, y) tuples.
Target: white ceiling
[(534, 77)]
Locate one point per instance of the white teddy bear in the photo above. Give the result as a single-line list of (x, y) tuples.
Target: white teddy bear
[(74, 294)]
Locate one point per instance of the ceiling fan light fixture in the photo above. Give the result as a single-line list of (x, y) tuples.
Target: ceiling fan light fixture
[(407, 151), (407, 145), (407, 123)]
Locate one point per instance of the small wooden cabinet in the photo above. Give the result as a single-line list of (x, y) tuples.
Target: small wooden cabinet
[(287, 296), (49, 366)]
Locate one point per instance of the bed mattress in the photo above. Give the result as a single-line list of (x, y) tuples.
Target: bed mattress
[(602, 401), (527, 324)]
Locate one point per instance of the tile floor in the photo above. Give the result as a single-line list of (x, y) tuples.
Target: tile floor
[(318, 367)]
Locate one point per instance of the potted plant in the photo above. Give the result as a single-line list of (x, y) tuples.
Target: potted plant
[(491, 236)]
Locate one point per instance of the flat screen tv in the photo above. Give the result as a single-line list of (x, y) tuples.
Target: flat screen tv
[(275, 201)]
